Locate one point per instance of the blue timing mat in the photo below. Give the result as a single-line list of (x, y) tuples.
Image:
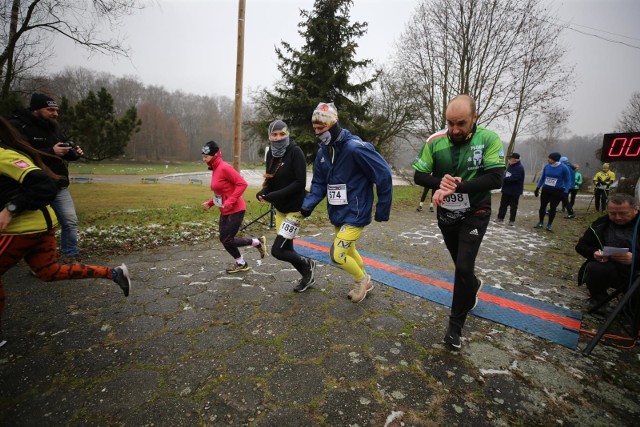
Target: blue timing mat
[(527, 314)]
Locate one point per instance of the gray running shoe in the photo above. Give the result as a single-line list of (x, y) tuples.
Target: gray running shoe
[(360, 289)]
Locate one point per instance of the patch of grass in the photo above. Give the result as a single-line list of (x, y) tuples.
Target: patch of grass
[(119, 168), (111, 168), (113, 217), (116, 217), (407, 195)]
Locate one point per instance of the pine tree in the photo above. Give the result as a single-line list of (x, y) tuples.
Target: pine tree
[(321, 71), (93, 125)]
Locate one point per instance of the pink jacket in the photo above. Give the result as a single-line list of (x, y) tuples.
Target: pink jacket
[(227, 183)]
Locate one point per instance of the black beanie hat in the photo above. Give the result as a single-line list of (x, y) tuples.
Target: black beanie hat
[(210, 148), (40, 100), (555, 156)]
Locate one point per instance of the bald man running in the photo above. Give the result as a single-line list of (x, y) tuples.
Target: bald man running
[(462, 164)]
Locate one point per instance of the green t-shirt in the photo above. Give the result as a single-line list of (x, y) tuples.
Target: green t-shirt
[(481, 153)]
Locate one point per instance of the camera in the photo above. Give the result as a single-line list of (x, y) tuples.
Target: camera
[(72, 154), (69, 144)]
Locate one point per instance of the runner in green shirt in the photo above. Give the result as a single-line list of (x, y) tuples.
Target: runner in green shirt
[(462, 163)]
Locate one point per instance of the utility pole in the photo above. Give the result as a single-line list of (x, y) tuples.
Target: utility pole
[(237, 125)]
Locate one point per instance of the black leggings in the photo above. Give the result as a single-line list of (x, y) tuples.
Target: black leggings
[(463, 243), (551, 197), (425, 191), (228, 228), (282, 249), (508, 201), (602, 198), (572, 197)]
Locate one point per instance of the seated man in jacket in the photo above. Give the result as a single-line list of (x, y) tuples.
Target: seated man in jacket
[(602, 270)]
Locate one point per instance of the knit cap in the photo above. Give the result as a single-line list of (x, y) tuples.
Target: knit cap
[(325, 114), (210, 148), (277, 125), (40, 100)]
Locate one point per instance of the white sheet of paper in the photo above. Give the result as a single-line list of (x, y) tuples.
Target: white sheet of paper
[(610, 250)]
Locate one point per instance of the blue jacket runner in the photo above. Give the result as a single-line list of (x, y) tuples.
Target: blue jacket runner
[(351, 161)]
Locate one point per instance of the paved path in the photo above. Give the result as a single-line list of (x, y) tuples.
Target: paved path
[(193, 346)]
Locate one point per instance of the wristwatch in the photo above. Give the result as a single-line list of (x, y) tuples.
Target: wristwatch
[(12, 208)]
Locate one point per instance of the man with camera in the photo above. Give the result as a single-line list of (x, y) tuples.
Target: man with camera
[(38, 124)]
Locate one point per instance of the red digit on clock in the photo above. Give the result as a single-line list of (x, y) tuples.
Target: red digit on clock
[(634, 147), (617, 147)]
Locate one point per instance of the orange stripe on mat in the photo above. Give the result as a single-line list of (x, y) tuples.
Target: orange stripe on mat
[(503, 302)]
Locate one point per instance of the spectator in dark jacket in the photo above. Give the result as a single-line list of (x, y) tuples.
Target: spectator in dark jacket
[(39, 127), (512, 187), (604, 269)]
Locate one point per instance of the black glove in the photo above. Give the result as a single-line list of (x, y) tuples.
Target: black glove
[(305, 213), (537, 192), (260, 194)]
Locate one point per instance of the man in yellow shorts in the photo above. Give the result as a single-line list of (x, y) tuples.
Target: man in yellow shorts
[(345, 170)]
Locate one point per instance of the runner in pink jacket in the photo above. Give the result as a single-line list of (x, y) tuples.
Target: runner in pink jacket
[(228, 185)]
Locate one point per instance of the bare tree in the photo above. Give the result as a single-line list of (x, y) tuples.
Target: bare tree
[(504, 53), (199, 118), (160, 136), (546, 137), (30, 25), (394, 113), (74, 83), (629, 120)]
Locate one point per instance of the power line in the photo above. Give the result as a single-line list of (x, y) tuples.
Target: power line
[(599, 30), (569, 26)]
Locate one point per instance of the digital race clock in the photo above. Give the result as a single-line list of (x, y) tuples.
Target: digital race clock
[(621, 147)]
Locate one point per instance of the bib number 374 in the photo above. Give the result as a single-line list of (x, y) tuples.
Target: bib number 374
[(337, 194)]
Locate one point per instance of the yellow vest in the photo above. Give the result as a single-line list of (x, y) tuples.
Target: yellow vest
[(603, 180), (16, 166)]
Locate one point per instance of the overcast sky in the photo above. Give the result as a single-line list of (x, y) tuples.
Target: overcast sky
[(191, 45)]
